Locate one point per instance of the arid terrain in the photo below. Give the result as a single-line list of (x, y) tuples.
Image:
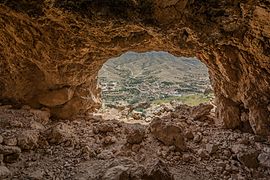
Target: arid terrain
[(180, 142), (51, 124)]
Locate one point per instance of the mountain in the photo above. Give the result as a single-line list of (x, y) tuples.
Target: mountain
[(161, 66)]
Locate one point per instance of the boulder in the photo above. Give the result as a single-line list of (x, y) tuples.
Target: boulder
[(264, 159), (201, 111), (4, 172), (168, 133), (56, 97), (116, 173), (10, 141), (6, 150), (249, 158), (211, 148), (28, 140), (135, 133), (157, 170), (59, 133), (103, 128)]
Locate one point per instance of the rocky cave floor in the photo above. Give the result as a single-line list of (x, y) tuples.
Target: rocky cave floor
[(181, 143)]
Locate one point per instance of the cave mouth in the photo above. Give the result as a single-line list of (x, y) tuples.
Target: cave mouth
[(153, 79)]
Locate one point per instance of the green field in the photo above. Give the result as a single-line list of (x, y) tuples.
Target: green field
[(190, 99)]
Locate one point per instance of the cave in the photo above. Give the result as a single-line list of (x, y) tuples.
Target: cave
[(46, 52), (52, 50)]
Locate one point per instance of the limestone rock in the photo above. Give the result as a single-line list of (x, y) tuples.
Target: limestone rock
[(135, 134), (56, 97), (41, 116), (198, 137), (36, 66), (158, 170), (202, 153), (168, 133), (6, 150), (59, 133), (28, 140), (264, 159), (249, 158), (4, 172), (103, 128), (11, 153), (10, 141), (116, 173), (211, 148), (106, 154), (201, 111)]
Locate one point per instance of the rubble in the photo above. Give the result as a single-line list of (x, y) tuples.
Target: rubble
[(169, 147), (135, 134), (168, 133)]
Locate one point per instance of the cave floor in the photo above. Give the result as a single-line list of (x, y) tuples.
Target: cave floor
[(34, 146)]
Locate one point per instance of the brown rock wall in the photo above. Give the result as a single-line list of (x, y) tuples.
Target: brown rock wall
[(58, 44)]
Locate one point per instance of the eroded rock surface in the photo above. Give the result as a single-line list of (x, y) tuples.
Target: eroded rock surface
[(89, 147), (47, 46)]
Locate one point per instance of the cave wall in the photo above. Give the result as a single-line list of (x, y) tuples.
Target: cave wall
[(52, 50)]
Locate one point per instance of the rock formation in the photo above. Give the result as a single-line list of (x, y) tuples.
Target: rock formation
[(52, 50)]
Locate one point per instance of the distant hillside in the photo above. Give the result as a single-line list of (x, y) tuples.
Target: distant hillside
[(161, 65), (153, 76)]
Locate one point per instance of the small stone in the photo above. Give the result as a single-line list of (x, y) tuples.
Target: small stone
[(187, 157), (28, 140), (106, 154), (237, 148), (227, 154), (117, 172), (1, 139), (6, 150), (104, 128), (198, 138), (4, 172), (210, 169), (16, 124), (1, 159), (228, 168), (135, 134), (249, 158), (244, 141), (108, 140), (59, 133), (158, 171), (38, 175), (36, 125), (41, 116), (11, 158), (258, 138), (211, 148), (135, 147), (189, 135), (264, 159), (221, 164), (26, 107), (10, 141), (202, 153)]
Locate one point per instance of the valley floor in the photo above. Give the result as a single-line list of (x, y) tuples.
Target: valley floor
[(180, 142)]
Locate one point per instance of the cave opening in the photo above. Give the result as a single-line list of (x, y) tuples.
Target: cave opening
[(140, 84)]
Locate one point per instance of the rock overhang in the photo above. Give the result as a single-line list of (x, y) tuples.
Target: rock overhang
[(47, 46)]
